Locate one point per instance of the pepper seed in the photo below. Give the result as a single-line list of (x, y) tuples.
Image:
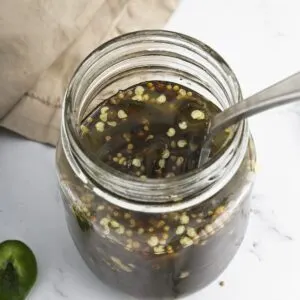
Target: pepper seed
[(139, 90), (186, 241), (182, 125), (198, 115), (166, 154), (184, 219), (104, 109), (103, 117), (153, 241), (159, 249), (180, 230), (100, 126), (146, 97), (122, 114), (84, 129), (171, 132), (161, 163), (112, 123), (181, 143), (137, 162), (161, 99), (191, 232), (137, 98), (182, 92)]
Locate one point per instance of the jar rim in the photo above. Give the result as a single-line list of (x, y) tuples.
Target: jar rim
[(76, 156)]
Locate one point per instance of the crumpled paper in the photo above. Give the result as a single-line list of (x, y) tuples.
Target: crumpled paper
[(42, 43)]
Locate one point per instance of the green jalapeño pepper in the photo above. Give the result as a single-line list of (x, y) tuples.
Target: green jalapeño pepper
[(18, 270)]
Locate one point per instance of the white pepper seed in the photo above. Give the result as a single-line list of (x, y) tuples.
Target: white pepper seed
[(186, 241), (122, 114), (182, 92), (112, 123), (153, 241), (84, 129), (100, 126), (137, 98), (137, 162), (90, 119), (182, 125), (161, 163), (184, 219), (209, 229), (130, 146), (149, 137), (181, 143), (169, 87), (171, 132), (180, 230), (114, 224), (122, 160), (191, 232), (104, 109), (161, 99), (103, 117), (159, 249), (190, 94), (166, 154), (139, 90), (198, 115), (146, 97)]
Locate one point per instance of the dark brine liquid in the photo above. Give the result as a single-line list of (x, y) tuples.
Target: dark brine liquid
[(151, 130)]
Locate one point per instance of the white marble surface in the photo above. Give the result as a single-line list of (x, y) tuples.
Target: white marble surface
[(260, 39)]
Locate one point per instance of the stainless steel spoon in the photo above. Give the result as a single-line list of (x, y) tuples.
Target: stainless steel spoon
[(283, 92)]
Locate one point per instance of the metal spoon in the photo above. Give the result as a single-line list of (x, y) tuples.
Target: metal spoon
[(283, 92)]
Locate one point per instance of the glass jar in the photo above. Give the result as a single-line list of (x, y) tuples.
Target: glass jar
[(155, 238)]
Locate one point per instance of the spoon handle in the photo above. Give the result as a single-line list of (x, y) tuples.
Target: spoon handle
[(283, 92)]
